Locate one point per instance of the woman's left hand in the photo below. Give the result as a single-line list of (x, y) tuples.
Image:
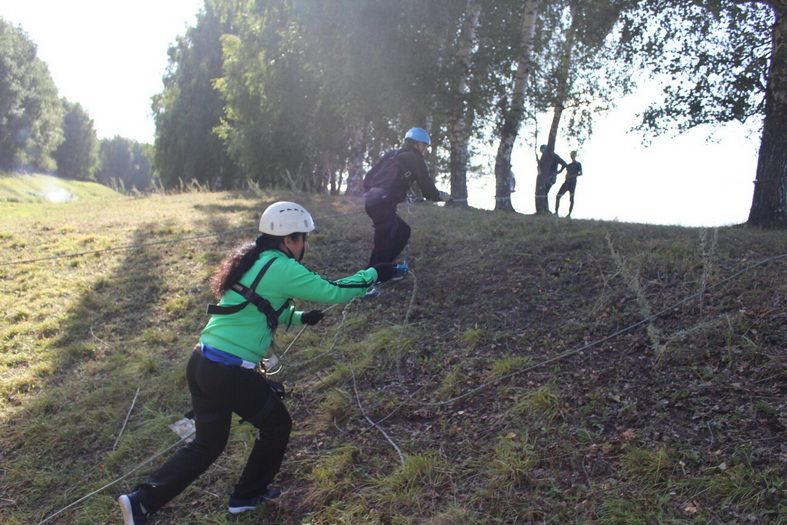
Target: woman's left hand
[(312, 317)]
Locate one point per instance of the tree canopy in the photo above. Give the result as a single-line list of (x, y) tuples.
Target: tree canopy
[(30, 111), (77, 155)]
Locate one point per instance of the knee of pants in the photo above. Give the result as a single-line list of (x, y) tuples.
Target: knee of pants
[(210, 441), (401, 230), (273, 416)]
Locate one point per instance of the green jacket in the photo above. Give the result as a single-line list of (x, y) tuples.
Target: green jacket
[(246, 333)]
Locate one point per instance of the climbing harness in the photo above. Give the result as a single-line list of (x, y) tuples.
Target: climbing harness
[(252, 297)]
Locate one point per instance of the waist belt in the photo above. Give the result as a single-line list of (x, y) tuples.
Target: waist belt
[(224, 358)]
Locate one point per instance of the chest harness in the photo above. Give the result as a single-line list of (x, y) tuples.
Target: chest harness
[(252, 297)]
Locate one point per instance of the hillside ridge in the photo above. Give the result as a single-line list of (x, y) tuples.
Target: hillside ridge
[(679, 419)]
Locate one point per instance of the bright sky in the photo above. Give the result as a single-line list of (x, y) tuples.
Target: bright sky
[(110, 56)]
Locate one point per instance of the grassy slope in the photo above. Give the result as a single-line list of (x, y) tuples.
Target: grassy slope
[(679, 421), (46, 188)]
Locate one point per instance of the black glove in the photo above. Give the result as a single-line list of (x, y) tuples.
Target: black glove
[(384, 271), (312, 317)]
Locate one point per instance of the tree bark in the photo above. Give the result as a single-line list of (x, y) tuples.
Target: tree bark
[(561, 92), (513, 116), (462, 117), (355, 170), (769, 203)]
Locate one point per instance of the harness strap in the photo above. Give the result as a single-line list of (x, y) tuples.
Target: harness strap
[(251, 296)]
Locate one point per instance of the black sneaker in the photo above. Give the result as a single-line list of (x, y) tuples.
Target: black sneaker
[(238, 505), (131, 507)]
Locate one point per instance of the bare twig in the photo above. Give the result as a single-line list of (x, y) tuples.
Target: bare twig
[(375, 425), (126, 420)]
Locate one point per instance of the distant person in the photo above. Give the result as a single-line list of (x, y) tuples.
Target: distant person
[(386, 185), (255, 286), (573, 170), (511, 181), (557, 167)]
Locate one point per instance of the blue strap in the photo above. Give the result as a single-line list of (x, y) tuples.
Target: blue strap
[(224, 358)]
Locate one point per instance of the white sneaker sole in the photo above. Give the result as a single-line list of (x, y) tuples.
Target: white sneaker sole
[(238, 510), (125, 508)]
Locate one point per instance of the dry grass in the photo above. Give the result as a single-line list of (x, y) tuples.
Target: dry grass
[(602, 436)]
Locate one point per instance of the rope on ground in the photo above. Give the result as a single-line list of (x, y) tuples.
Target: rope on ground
[(121, 478), (375, 425), (352, 372), (569, 353), (404, 324)]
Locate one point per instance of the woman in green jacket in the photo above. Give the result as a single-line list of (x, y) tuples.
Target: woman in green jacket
[(255, 285)]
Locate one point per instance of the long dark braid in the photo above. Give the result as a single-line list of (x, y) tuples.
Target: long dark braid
[(238, 263)]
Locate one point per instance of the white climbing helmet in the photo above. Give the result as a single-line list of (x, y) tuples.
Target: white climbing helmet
[(284, 218)]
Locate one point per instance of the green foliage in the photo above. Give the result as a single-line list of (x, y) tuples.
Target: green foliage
[(714, 53), (506, 365), (190, 107), (77, 156), (543, 402), (30, 112), (650, 465), (472, 336), (511, 461), (125, 164)]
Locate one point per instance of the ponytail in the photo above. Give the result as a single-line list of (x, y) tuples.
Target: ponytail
[(238, 263)]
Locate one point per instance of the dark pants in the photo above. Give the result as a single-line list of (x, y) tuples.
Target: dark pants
[(391, 233), (216, 392), (570, 186)]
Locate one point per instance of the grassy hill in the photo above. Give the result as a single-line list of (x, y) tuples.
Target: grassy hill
[(47, 188), (520, 376)]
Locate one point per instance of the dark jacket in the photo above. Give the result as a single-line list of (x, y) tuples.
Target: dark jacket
[(410, 166)]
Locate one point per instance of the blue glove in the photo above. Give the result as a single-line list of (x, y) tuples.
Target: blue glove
[(399, 271)]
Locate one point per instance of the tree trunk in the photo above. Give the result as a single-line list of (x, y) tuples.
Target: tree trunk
[(513, 116), (561, 92), (462, 117), (769, 204), (355, 171)]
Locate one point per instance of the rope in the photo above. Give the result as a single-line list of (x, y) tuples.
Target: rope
[(375, 425), (599, 341), (448, 401), (86, 496)]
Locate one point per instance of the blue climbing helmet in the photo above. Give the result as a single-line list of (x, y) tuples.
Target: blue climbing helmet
[(418, 135)]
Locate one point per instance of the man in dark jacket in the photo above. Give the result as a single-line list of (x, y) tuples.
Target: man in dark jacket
[(386, 185), (557, 166)]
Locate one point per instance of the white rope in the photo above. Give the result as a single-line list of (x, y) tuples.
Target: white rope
[(124, 476), (454, 399), (599, 341)]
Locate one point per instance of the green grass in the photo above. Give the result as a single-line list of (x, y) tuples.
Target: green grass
[(41, 188), (603, 436)]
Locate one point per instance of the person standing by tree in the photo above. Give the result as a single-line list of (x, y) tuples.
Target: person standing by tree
[(386, 185), (255, 286), (553, 168), (573, 170)]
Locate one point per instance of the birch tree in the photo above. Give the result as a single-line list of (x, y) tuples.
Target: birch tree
[(513, 109)]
